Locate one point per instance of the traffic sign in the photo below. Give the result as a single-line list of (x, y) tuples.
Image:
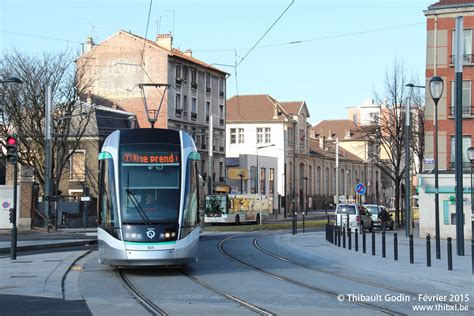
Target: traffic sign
[(360, 189)]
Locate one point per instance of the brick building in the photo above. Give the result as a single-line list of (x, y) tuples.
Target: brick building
[(439, 62), (195, 93)]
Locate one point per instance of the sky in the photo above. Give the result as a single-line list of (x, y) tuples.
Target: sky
[(343, 49)]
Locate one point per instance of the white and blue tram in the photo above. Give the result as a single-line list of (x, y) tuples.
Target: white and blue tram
[(148, 198)]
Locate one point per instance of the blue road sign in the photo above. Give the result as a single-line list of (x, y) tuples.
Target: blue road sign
[(360, 189)]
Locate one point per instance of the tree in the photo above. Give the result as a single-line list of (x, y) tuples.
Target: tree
[(24, 110), (390, 132)]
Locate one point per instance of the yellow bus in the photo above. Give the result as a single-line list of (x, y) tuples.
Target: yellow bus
[(236, 208)]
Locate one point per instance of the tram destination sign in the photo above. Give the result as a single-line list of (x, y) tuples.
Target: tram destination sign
[(146, 158)]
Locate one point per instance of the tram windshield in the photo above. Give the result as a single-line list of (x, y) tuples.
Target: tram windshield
[(150, 181)]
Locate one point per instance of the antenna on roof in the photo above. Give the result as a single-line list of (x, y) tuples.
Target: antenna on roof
[(152, 114)]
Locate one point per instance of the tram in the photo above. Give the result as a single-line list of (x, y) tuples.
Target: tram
[(148, 205)]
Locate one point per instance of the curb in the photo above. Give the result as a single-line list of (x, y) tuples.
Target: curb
[(51, 245)]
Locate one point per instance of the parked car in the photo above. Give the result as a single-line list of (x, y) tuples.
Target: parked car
[(375, 209), (358, 215)]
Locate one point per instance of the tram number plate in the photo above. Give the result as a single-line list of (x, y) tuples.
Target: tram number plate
[(150, 247)]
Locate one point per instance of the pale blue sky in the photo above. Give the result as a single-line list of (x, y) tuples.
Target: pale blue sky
[(329, 74)]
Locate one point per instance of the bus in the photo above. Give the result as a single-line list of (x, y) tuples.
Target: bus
[(148, 202), (236, 208)]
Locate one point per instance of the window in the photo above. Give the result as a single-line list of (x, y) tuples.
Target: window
[(233, 136), (241, 135), (221, 87), (271, 180), (193, 108), (107, 203), (193, 78), (466, 143), (253, 176), (178, 102), (268, 136), (467, 54), (191, 209), (466, 97), (290, 135), (77, 170), (221, 115), (259, 135), (208, 83), (262, 180), (178, 73), (185, 73), (208, 110)]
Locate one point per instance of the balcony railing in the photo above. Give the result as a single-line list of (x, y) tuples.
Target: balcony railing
[(221, 121), (179, 80), (194, 115), (207, 118), (467, 59), (221, 94), (466, 110), (221, 148), (465, 165), (208, 89), (194, 85), (179, 111)]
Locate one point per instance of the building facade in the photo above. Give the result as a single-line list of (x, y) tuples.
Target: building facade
[(192, 92), (439, 62)]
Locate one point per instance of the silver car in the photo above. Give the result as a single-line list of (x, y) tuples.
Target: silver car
[(375, 209), (357, 215)]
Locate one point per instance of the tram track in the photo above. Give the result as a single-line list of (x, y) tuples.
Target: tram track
[(139, 297), (235, 299), (298, 283), (346, 277)]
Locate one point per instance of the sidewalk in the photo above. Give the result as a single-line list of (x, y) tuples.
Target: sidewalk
[(38, 239), (461, 264)]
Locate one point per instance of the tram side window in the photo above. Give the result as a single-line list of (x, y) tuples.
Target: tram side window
[(190, 218), (107, 203)]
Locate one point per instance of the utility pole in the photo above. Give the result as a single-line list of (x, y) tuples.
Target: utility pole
[(210, 167), (459, 55), (337, 171), (47, 160)]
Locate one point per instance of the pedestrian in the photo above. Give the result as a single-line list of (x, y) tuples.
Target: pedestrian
[(383, 216)]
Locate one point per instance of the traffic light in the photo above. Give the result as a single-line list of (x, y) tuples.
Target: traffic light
[(11, 215), (12, 150)]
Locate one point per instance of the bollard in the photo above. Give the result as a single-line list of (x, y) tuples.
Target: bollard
[(450, 254), (349, 236), (428, 251), (373, 243), (356, 241), (383, 244), (347, 220), (344, 237), (363, 242), (395, 246), (303, 223), (335, 235), (328, 219), (412, 259), (339, 236)]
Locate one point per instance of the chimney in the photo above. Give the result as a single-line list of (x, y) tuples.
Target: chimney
[(188, 53), (347, 133), (321, 142), (330, 134), (165, 40)]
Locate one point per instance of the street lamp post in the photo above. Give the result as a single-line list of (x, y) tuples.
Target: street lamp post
[(13, 234), (470, 155), (305, 211), (436, 91), (407, 160)]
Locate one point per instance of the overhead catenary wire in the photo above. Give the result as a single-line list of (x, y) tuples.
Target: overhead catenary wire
[(264, 34)]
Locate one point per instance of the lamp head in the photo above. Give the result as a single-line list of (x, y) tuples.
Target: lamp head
[(436, 88), (470, 154)]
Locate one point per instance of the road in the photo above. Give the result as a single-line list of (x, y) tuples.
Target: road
[(270, 273)]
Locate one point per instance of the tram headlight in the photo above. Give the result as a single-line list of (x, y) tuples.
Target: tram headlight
[(173, 234), (167, 235)]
